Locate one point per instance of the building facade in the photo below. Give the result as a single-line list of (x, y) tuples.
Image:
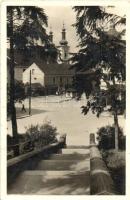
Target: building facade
[(48, 75), (44, 71)]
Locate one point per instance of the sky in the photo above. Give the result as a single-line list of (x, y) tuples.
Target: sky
[(57, 15)]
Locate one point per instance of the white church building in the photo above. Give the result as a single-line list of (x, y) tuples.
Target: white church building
[(52, 74)]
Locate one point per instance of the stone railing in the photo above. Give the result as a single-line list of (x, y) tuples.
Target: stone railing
[(31, 159), (101, 182)]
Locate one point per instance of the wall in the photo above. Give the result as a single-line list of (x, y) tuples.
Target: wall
[(56, 80), (37, 75)]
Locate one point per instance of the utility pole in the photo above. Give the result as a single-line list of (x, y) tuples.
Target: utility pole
[(30, 92)]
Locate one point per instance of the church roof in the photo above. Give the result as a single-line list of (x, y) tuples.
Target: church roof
[(49, 69), (55, 68)]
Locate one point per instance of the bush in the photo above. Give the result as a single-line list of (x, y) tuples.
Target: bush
[(19, 94), (35, 137), (106, 138), (116, 164), (41, 135), (114, 160)]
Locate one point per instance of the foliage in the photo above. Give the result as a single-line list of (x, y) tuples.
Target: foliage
[(99, 51), (101, 55), (42, 135), (106, 138), (26, 25), (100, 59), (29, 31), (35, 137), (19, 93), (29, 23), (117, 166)]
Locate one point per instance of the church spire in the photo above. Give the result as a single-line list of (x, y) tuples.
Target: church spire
[(63, 40), (63, 32), (64, 48)]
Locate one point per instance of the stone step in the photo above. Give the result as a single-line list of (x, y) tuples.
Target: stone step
[(74, 156), (82, 165), (77, 147), (75, 150), (51, 183)]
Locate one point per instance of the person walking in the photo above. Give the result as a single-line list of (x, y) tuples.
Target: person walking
[(23, 108)]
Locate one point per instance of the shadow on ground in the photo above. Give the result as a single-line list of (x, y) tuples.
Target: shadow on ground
[(70, 184), (22, 114)]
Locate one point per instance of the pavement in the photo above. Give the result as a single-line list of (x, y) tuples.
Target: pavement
[(65, 114)]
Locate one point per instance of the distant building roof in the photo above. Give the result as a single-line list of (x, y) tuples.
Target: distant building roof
[(55, 68)]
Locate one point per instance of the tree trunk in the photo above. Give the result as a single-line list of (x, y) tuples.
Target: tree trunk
[(12, 89)]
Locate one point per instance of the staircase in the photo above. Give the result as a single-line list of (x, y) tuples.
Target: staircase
[(66, 173)]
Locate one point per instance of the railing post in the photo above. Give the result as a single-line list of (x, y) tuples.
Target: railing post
[(92, 138), (62, 140)]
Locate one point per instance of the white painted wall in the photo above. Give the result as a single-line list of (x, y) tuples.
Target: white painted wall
[(37, 75)]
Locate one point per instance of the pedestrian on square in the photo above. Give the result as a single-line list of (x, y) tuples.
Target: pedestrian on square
[(23, 108)]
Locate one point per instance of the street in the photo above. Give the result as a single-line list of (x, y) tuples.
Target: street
[(65, 114)]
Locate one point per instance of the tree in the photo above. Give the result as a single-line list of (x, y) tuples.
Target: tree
[(19, 94), (24, 25), (101, 57)]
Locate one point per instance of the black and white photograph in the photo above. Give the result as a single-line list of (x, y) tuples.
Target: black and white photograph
[(65, 99)]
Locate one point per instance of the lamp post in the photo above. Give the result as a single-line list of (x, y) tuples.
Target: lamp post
[(30, 91)]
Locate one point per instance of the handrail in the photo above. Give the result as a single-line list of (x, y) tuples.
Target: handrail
[(61, 143), (62, 137), (101, 182)]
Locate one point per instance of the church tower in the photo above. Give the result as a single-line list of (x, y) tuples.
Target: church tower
[(64, 48)]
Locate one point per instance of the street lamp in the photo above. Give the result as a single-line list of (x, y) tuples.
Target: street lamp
[(30, 91)]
